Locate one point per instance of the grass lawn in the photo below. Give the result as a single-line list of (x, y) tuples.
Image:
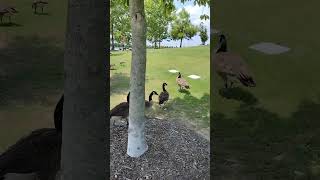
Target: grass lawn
[(31, 69), (193, 107), (275, 138)]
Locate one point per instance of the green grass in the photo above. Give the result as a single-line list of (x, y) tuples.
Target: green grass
[(28, 24), (281, 122), (193, 107), (31, 70)]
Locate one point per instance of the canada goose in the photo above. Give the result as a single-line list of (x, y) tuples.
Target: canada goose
[(121, 109), (149, 103), (58, 113), (164, 95), (182, 83), (40, 4), (39, 152), (231, 66), (7, 11)]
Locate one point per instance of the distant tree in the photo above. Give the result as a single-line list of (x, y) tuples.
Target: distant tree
[(119, 22), (182, 28), (203, 34), (157, 22)]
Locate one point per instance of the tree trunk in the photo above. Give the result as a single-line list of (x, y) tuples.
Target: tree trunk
[(155, 44), (159, 44), (181, 43), (84, 136), (136, 133), (112, 37)]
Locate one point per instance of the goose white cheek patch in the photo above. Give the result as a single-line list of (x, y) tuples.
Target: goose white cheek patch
[(194, 76)]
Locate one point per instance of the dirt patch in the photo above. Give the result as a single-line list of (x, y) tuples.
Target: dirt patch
[(175, 152)]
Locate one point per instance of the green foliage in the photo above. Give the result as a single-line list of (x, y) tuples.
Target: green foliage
[(203, 34), (120, 21), (182, 28), (157, 20)]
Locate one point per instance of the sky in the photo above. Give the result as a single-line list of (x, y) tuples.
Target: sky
[(195, 11)]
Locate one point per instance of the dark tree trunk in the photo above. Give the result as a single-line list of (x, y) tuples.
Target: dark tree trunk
[(84, 137), (181, 42), (112, 37)]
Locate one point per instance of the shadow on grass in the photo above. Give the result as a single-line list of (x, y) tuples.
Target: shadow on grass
[(119, 83), (238, 94), (42, 14), (189, 108), (31, 67), (184, 91), (116, 53), (262, 145), (10, 24)]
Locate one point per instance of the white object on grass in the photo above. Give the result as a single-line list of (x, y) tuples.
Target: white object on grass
[(173, 71), (194, 76), (269, 48)]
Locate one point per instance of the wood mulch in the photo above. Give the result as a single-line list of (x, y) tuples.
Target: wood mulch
[(175, 152)]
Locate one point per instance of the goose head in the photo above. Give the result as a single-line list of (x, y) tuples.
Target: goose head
[(222, 46)]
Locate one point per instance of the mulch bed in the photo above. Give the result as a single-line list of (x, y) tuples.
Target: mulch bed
[(175, 152)]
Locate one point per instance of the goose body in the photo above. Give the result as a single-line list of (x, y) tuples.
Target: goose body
[(58, 113), (182, 83), (39, 152), (231, 67), (7, 11), (121, 109), (164, 95), (39, 4)]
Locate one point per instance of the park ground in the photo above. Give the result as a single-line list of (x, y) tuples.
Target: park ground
[(31, 83), (192, 107), (270, 131), (31, 71)]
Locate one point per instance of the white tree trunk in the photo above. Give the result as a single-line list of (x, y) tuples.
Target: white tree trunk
[(86, 94), (136, 133)]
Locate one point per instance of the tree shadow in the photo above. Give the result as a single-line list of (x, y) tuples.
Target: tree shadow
[(116, 53), (119, 83), (31, 67), (184, 91), (238, 94), (10, 24), (189, 108), (262, 144), (42, 14)]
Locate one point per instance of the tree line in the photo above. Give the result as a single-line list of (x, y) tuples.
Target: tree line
[(163, 23)]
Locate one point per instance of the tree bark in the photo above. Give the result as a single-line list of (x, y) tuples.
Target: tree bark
[(159, 44), (112, 37), (181, 43), (155, 44), (84, 136), (136, 131)]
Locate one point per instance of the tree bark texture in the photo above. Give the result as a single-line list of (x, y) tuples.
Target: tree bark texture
[(136, 132), (86, 91)]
